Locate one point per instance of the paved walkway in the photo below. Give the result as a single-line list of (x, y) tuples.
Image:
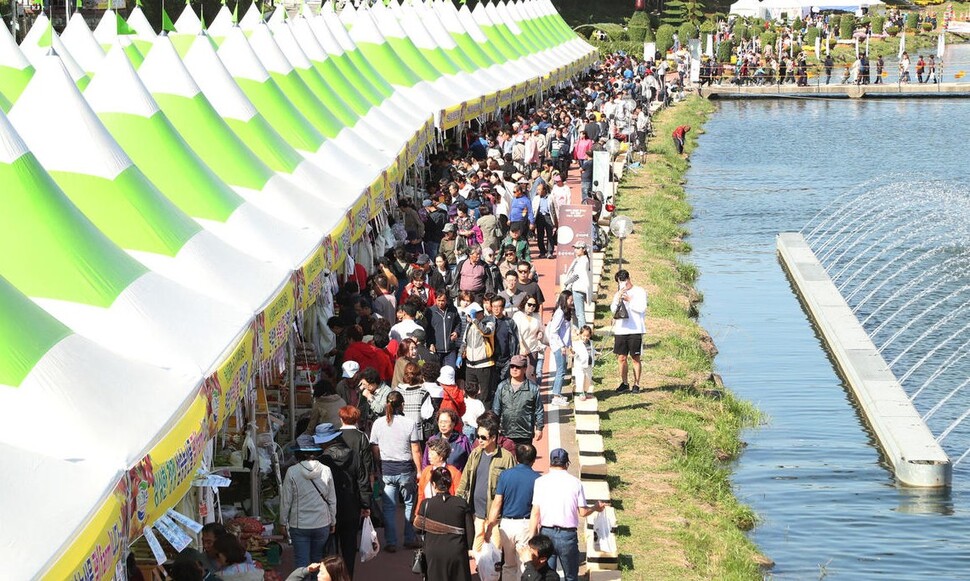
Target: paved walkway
[(397, 566)]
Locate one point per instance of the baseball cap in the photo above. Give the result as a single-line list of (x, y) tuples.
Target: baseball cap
[(519, 361), (473, 309), (558, 457), (350, 368)]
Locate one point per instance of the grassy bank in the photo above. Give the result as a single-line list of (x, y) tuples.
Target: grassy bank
[(672, 444)]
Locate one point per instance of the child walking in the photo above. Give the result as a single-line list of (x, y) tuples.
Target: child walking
[(584, 355)]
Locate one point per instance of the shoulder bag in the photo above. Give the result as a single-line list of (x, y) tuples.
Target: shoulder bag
[(621, 312)]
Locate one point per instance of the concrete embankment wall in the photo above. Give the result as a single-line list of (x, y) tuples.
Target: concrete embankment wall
[(916, 457)]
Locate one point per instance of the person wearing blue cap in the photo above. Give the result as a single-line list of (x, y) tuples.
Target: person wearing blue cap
[(558, 502)]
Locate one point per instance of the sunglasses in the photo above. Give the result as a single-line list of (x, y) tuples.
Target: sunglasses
[(517, 366), (524, 271), (482, 438), (533, 305)]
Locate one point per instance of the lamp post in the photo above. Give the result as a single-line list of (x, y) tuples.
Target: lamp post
[(621, 227)]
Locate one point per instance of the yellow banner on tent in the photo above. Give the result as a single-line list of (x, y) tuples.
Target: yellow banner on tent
[(534, 85), (490, 103), (428, 132), (359, 215), (329, 246), (452, 116), (310, 279), (394, 173), (377, 196), (505, 97), (225, 388), (410, 149), (473, 109), (96, 550), (273, 324), (519, 91), (340, 239), (388, 186)]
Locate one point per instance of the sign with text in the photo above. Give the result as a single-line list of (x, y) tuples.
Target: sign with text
[(575, 224)]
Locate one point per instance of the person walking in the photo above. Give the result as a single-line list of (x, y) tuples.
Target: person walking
[(518, 404), (546, 220), (558, 502), (308, 503), (532, 338), (449, 530), (396, 443), (560, 337), (828, 68), (628, 331), (352, 487), (579, 281), (880, 65), (512, 509), (479, 354), (479, 479)]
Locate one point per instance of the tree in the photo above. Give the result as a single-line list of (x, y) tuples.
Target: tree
[(678, 12), (665, 38), (769, 38), (724, 51), (878, 23)]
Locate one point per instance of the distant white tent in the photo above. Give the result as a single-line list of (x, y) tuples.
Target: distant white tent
[(750, 8)]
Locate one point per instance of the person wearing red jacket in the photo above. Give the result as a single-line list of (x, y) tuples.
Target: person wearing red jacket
[(368, 355), (679, 135), (419, 288)]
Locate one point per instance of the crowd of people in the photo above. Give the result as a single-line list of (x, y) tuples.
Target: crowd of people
[(432, 400), (784, 61)]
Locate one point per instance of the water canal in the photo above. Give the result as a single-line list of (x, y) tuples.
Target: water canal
[(829, 508)]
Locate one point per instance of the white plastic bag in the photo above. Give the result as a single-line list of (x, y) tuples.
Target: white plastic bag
[(604, 540), (369, 547), (486, 561)]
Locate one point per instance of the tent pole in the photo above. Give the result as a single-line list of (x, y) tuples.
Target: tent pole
[(291, 382)]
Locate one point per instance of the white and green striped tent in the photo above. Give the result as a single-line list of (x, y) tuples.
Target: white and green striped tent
[(170, 204)]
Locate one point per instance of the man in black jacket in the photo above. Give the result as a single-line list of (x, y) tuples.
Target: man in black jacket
[(353, 489), (444, 324), (519, 405), (506, 340)]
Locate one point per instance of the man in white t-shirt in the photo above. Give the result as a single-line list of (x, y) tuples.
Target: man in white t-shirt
[(558, 502), (628, 331)]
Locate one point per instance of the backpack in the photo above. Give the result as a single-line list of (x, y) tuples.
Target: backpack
[(429, 425)]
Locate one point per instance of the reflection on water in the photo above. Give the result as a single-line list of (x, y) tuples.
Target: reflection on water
[(813, 473)]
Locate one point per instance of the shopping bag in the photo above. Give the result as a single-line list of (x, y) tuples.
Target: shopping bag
[(604, 540), (488, 561), (369, 547)]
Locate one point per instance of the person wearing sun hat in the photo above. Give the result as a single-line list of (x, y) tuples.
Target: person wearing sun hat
[(578, 279), (308, 502), (558, 502)]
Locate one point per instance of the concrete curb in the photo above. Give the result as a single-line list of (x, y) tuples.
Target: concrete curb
[(916, 457)]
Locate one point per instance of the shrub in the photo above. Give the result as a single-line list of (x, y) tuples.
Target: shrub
[(637, 26), (927, 26), (892, 30), (649, 36), (768, 38), (686, 32), (846, 26), (811, 35), (912, 20), (665, 38), (878, 24), (724, 51), (742, 31), (708, 27), (758, 23), (797, 24)]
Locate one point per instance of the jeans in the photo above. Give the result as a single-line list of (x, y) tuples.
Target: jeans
[(308, 545), (579, 300), (560, 371), (407, 486), (567, 551), (431, 249)]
